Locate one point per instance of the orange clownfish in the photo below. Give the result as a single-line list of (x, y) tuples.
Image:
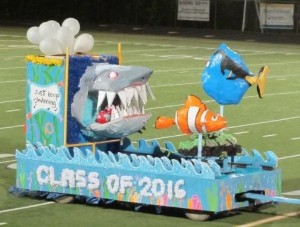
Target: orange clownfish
[(193, 117)]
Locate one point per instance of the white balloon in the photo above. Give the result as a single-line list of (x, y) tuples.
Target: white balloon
[(50, 46), (33, 35), (73, 24), (65, 36), (54, 24), (46, 29), (84, 43)]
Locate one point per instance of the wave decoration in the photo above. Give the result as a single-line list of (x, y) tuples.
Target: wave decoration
[(202, 168)]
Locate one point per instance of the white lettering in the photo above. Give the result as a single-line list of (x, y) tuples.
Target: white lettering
[(94, 181), (80, 179), (68, 178), (158, 183), (145, 190), (112, 183), (125, 182), (42, 173), (179, 193)]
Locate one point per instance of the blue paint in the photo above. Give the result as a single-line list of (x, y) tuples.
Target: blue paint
[(145, 179), (217, 85)]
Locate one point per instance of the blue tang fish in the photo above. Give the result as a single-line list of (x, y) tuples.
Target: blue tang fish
[(226, 78)]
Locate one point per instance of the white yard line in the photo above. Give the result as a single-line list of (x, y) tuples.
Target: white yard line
[(7, 161), (10, 127), (265, 122), (270, 135), (9, 101), (290, 156), (11, 81), (26, 207), (231, 127), (10, 68), (6, 155), (271, 219), (238, 133), (14, 110)]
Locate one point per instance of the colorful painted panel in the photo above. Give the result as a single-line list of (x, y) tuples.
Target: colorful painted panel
[(45, 101), (139, 179)]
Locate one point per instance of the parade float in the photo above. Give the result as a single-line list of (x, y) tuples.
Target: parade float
[(81, 108)]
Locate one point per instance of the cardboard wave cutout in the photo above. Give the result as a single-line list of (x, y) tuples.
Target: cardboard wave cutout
[(226, 78)]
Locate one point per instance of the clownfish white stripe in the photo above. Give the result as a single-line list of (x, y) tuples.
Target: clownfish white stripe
[(192, 114), (202, 120), (203, 116), (176, 121)]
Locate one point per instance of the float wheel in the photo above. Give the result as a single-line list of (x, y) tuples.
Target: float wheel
[(64, 199), (198, 216)]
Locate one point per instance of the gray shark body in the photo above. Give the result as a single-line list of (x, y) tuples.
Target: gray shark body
[(121, 89)]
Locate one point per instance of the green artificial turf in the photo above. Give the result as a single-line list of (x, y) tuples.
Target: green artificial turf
[(271, 123)]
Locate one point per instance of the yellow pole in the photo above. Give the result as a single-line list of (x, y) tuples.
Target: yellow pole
[(66, 95), (120, 53)]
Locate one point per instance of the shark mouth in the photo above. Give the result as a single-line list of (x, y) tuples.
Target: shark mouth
[(128, 102), (121, 113)]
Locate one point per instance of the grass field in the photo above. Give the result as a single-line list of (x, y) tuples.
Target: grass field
[(271, 123)]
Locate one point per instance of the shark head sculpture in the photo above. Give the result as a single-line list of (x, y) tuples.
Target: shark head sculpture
[(111, 99)]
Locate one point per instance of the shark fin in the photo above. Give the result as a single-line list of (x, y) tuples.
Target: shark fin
[(164, 122)]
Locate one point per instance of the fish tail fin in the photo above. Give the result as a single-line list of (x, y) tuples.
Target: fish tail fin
[(261, 81), (164, 122), (251, 80)]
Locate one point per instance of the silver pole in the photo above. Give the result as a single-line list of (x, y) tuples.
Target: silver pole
[(244, 16), (199, 145)]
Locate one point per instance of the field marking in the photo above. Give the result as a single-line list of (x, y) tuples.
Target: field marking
[(295, 138), (270, 135), (264, 122), (271, 219), (166, 39), (3, 223), (171, 85), (10, 127), (9, 101), (211, 100), (160, 107), (7, 161), (238, 133), (290, 156), (12, 166), (11, 81), (15, 110), (6, 155), (26, 207), (292, 193), (10, 68)]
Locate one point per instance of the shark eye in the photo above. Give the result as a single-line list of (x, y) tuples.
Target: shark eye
[(113, 75), (214, 118)]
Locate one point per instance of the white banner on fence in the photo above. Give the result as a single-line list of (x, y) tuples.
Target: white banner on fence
[(195, 10), (280, 16)]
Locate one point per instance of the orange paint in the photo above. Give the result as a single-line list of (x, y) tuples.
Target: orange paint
[(193, 117)]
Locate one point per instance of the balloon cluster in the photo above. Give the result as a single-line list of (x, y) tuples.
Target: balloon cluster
[(55, 39)]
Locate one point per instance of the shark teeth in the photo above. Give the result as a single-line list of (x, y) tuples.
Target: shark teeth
[(110, 98), (129, 101), (101, 97)]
